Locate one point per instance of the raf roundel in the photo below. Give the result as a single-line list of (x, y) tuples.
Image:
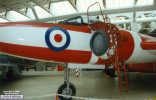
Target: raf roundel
[(57, 38)]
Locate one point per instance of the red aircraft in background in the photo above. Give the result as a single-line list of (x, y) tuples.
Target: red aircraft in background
[(99, 43)]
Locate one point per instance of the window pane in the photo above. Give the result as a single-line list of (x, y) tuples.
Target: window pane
[(119, 3), (62, 8), (14, 16), (30, 13), (82, 5), (41, 12), (144, 2), (2, 20)]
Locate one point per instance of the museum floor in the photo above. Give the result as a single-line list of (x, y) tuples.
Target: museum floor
[(91, 84)]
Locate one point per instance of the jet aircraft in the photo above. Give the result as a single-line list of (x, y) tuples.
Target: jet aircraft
[(99, 43)]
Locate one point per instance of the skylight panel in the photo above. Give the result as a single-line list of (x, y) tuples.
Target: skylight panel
[(82, 5), (3, 20), (144, 2), (15, 16), (30, 13), (62, 8), (41, 13), (119, 3), (2, 14)]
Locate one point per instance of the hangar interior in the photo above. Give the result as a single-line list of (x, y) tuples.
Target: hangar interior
[(40, 80)]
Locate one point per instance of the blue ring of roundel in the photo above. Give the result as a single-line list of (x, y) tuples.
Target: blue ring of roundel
[(50, 45)]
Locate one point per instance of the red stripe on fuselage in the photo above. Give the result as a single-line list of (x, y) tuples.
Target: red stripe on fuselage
[(47, 54), (83, 28), (148, 45), (143, 67), (148, 42)]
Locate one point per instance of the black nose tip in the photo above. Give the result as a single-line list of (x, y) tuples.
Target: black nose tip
[(99, 43)]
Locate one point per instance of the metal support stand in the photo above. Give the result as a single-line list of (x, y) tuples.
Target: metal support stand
[(66, 77), (4, 71)]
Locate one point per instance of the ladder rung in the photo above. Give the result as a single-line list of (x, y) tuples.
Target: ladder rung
[(124, 90), (123, 83)]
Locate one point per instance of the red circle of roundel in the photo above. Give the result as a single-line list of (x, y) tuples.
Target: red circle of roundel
[(58, 38)]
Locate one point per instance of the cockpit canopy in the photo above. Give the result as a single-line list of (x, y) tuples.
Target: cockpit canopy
[(79, 20)]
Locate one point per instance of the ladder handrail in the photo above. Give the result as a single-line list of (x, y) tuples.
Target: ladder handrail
[(113, 33), (100, 11)]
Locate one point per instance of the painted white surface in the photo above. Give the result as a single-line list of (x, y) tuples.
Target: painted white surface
[(139, 55), (153, 52), (93, 59), (34, 36)]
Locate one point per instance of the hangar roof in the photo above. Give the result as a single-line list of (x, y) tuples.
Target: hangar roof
[(51, 10)]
